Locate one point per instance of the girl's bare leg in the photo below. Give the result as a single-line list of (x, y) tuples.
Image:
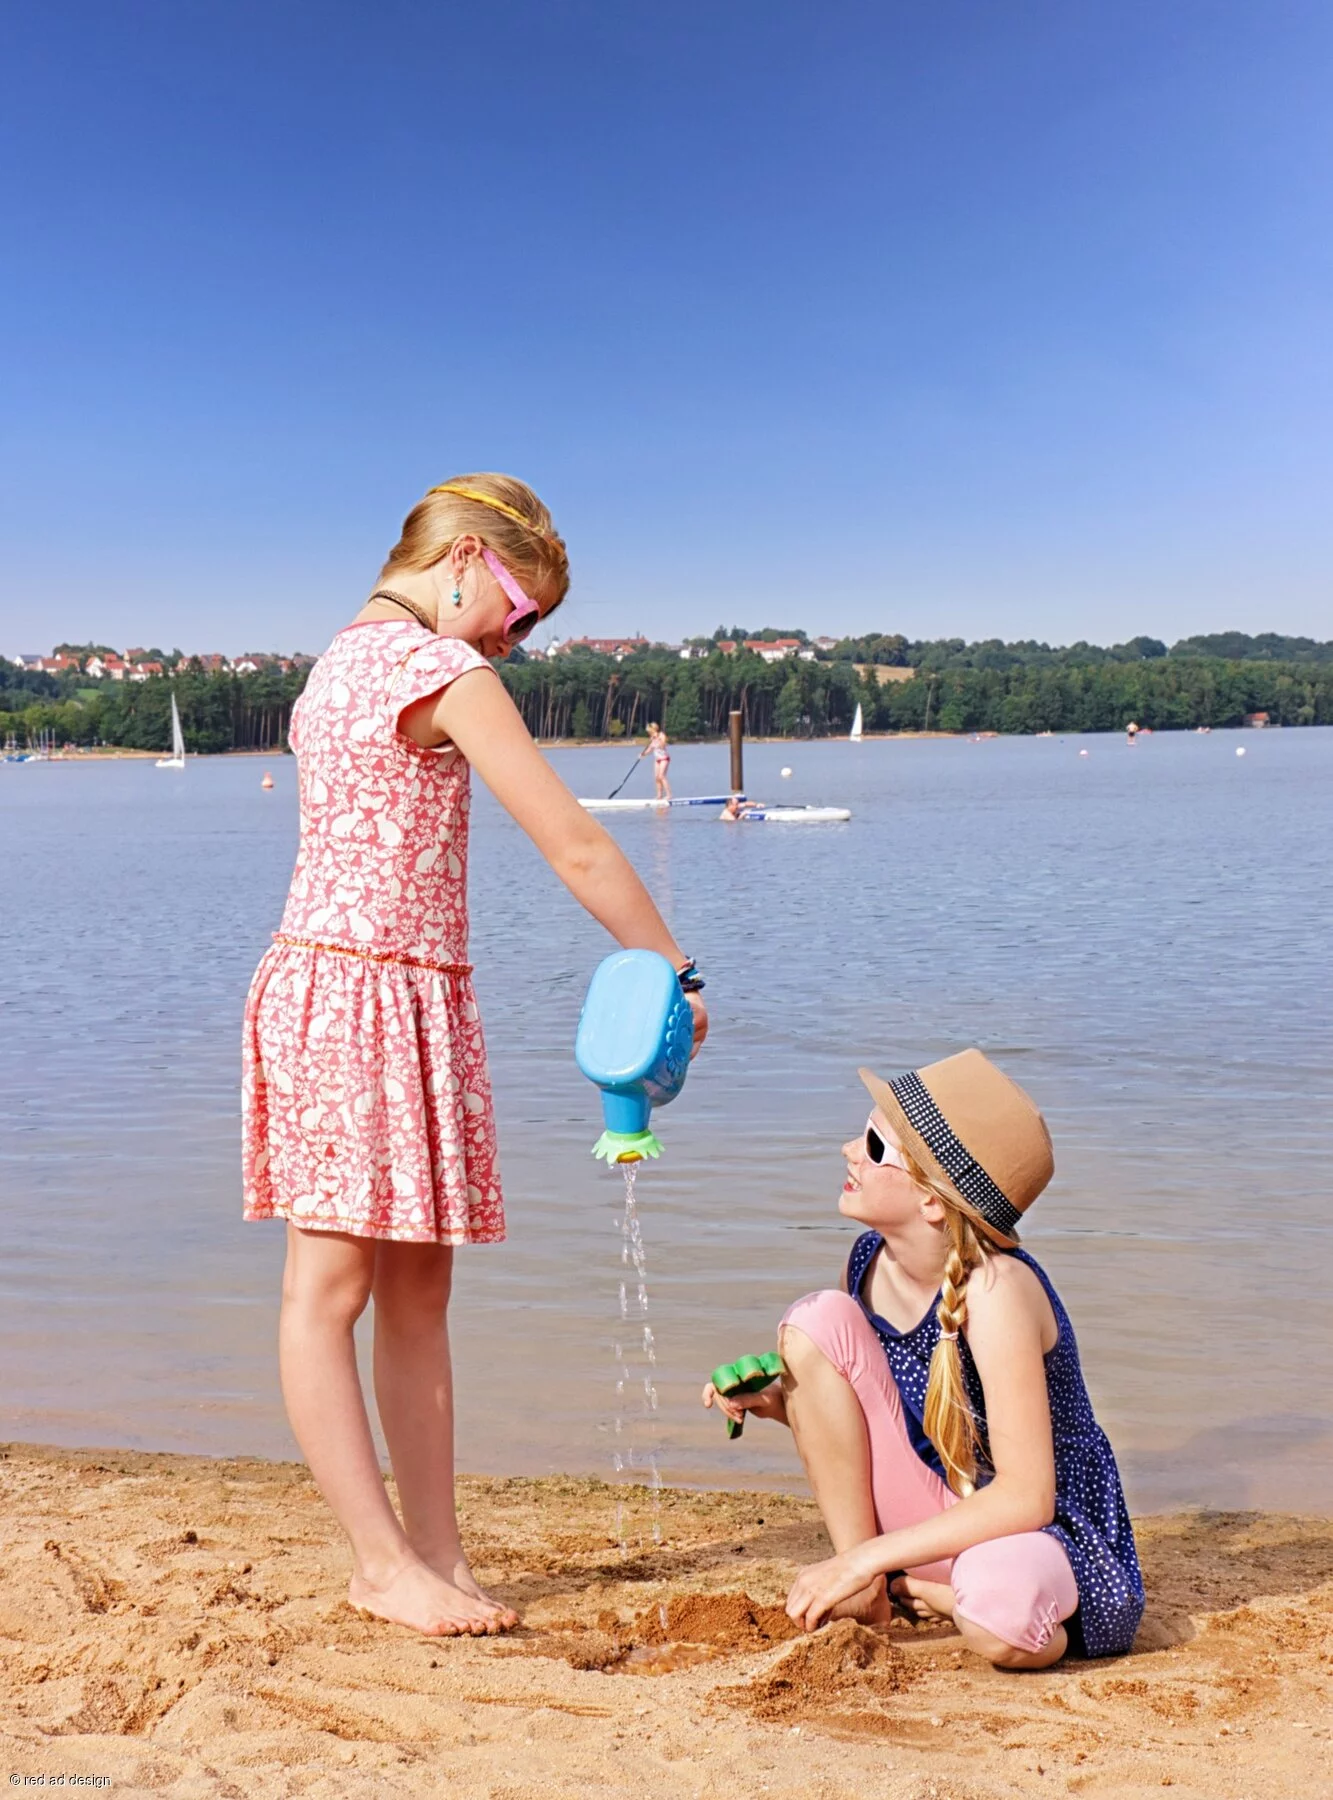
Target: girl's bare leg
[(830, 1431), (927, 1599), (325, 1286), (414, 1389)]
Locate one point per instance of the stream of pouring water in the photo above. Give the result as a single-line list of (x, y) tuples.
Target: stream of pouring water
[(637, 1452)]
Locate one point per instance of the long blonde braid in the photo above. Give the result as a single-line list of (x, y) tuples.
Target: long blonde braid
[(947, 1417)]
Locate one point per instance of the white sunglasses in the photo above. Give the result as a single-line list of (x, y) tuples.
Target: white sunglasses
[(881, 1152)]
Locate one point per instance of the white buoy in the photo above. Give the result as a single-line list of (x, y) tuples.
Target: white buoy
[(1083, 753), (267, 782), (786, 774), (1240, 749)]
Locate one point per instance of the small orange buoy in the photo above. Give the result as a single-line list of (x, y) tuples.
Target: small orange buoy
[(267, 782)]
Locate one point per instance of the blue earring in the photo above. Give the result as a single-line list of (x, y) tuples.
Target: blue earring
[(456, 596)]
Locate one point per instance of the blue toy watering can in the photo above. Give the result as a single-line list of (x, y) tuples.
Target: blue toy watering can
[(635, 1035)]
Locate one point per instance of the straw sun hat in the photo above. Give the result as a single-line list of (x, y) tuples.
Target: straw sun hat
[(974, 1129)]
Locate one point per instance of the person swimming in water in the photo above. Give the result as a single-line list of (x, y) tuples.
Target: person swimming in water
[(738, 807)]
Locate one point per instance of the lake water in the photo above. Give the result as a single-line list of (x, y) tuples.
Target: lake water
[(1140, 935)]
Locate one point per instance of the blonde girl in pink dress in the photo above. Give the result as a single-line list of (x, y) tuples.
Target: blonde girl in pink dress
[(367, 1107)]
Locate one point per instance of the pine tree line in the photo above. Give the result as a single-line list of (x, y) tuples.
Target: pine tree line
[(585, 695)]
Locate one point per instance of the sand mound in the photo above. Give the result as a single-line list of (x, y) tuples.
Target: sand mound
[(731, 1621), (665, 1637), (843, 1668)]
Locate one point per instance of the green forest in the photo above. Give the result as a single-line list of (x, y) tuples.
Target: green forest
[(955, 686), (218, 712), (581, 695)]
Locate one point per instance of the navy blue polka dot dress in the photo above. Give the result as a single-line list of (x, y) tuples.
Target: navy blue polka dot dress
[(1091, 1519)]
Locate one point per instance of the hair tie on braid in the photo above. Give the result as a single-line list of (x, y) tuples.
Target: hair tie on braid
[(949, 1334)]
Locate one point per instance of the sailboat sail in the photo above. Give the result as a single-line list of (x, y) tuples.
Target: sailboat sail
[(856, 726), (177, 758)]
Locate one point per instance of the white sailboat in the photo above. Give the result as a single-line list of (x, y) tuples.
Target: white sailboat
[(177, 758), (857, 727)]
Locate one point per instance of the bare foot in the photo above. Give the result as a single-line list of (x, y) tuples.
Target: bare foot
[(870, 1606), (424, 1601), (455, 1570), (927, 1599)]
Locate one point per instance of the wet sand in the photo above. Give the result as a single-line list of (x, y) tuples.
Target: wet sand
[(175, 1624)]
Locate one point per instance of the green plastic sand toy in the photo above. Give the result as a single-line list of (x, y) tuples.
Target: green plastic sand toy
[(747, 1375)]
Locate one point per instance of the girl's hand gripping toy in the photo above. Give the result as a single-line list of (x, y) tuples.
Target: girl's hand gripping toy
[(746, 1376), (635, 1035)]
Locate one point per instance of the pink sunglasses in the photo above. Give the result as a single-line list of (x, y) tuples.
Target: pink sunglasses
[(526, 612)]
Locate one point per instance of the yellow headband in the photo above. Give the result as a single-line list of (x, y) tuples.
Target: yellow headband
[(467, 493)]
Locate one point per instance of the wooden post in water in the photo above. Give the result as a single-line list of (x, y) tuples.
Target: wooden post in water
[(737, 754)]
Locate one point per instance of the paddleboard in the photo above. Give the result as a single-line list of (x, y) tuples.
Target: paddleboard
[(796, 815), (654, 805)]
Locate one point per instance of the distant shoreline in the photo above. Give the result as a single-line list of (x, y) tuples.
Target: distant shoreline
[(716, 742), (114, 755), (111, 754)]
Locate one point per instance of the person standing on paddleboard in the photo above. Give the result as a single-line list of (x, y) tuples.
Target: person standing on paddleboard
[(661, 749)]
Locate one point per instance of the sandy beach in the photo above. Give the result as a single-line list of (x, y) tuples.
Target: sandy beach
[(175, 1625)]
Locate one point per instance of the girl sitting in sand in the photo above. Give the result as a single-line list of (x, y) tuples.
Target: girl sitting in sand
[(937, 1399), (368, 1123)]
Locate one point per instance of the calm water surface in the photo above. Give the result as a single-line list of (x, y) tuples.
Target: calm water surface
[(1138, 935)]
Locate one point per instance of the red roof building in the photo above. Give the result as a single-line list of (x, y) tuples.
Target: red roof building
[(775, 649), (617, 647)]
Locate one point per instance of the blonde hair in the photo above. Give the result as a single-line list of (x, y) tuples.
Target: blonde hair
[(947, 1416), (505, 514)]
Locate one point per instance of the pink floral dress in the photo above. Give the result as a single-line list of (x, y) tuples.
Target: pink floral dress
[(366, 1098)]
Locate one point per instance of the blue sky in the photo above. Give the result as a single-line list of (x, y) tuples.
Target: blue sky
[(954, 320)]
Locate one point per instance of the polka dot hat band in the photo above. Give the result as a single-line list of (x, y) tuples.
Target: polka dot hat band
[(976, 1131)]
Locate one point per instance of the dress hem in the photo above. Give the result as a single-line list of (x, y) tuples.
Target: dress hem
[(359, 1228)]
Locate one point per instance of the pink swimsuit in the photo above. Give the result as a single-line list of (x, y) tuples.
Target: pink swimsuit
[(366, 1098)]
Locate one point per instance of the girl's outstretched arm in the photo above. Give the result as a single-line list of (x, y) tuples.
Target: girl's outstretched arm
[(1009, 1329), (476, 713)]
